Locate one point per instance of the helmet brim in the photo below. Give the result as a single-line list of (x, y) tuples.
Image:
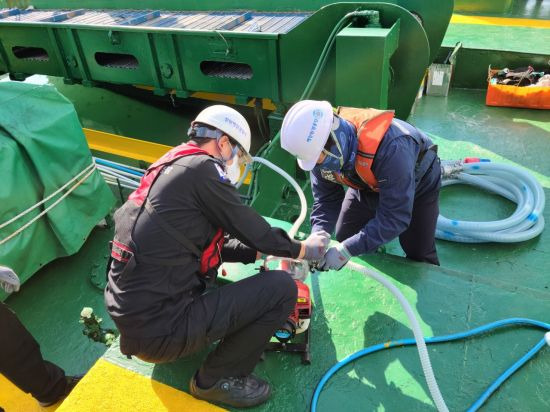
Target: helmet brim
[(307, 165), (310, 163)]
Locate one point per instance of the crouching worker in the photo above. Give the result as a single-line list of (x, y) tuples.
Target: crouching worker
[(171, 235), (389, 167)]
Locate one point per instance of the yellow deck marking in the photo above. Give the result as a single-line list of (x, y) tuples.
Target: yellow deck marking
[(499, 21), (108, 387), (124, 146), (131, 148), (12, 399)]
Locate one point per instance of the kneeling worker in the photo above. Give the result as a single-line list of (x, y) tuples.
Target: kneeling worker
[(171, 235), (391, 170)]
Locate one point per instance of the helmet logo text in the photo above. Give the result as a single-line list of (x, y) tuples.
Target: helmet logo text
[(235, 125), (317, 114)]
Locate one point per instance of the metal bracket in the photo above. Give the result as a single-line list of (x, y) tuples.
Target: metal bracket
[(114, 37)]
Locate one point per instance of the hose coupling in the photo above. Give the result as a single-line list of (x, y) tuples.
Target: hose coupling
[(451, 168)]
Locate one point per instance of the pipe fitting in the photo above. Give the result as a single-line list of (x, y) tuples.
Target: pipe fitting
[(451, 168)]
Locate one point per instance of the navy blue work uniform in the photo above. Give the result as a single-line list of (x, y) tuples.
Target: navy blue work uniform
[(406, 205)]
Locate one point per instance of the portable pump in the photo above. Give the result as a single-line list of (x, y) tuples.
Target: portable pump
[(299, 320)]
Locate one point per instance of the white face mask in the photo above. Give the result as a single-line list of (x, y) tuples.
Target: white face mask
[(234, 170)]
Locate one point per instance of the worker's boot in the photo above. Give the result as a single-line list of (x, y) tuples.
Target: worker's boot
[(240, 392), (71, 383)]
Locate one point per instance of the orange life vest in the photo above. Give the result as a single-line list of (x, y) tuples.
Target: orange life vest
[(371, 126)]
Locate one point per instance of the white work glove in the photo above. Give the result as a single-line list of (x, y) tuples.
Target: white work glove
[(316, 245), (9, 280), (335, 258)]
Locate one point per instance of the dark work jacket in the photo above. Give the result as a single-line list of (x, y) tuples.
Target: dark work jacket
[(194, 196), (399, 181)]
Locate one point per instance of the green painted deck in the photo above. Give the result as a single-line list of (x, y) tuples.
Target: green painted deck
[(475, 284)]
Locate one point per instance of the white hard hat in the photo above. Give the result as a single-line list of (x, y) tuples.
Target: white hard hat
[(306, 128), (229, 121)]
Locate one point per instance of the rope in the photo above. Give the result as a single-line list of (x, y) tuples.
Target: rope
[(13, 219), (90, 169)]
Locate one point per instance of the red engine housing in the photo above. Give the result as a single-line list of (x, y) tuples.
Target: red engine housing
[(302, 310)]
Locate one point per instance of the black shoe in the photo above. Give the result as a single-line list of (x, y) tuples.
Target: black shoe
[(71, 383), (240, 392)]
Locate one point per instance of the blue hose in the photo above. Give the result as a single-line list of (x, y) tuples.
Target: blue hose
[(117, 166), (494, 386), (511, 182), (445, 338)]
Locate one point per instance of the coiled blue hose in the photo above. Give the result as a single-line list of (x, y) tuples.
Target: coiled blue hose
[(511, 182), (445, 338)]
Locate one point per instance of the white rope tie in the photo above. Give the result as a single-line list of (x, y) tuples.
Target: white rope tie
[(87, 171)]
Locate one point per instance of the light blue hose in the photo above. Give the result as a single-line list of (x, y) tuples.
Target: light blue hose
[(445, 338), (511, 182), (118, 166)]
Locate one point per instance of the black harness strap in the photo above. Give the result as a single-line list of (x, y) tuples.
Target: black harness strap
[(170, 230)]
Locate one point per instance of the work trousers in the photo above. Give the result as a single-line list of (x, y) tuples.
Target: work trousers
[(243, 316), (21, 361), (417, 241)]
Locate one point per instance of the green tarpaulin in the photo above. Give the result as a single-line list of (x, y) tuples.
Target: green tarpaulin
[(42, 147)]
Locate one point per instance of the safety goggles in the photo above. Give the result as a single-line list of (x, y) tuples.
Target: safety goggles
[(327, 152), (236, 149)]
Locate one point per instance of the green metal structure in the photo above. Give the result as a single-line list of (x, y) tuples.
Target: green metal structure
[(266, 51)]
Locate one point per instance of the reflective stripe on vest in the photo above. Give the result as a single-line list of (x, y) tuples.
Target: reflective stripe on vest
[(371, 126)]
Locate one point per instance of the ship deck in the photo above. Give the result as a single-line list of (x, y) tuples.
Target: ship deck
[(475, 284)]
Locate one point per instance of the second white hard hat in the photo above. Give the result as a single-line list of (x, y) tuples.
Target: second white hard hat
[(306, 128), (229, 121)]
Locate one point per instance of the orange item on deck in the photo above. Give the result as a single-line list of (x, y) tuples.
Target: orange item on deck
[(517, 96)]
